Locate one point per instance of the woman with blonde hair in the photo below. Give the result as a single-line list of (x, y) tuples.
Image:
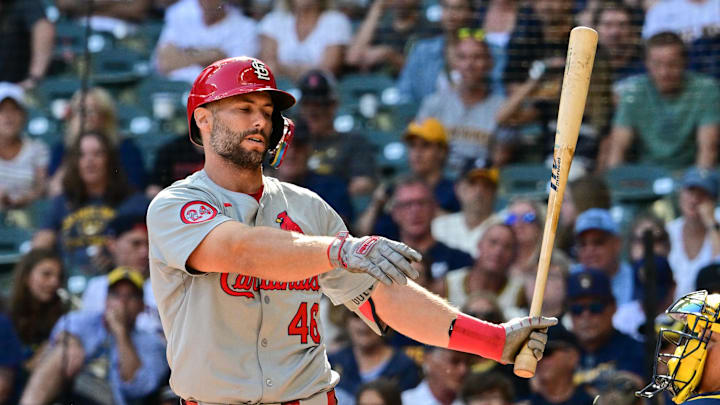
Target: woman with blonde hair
[(527, 218), (302, 35), (94, 111)]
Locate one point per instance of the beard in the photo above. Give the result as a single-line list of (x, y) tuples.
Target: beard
[(228, 144)]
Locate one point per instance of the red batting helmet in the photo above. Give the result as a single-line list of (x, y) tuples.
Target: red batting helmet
[(241, 75)]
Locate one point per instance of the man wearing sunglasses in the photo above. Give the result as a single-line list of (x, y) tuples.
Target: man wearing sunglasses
[(603, 349)]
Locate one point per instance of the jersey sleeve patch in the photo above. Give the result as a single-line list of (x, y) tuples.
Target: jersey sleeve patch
[(196, 212)]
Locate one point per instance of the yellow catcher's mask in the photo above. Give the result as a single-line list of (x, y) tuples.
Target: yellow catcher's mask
[(680, 354)]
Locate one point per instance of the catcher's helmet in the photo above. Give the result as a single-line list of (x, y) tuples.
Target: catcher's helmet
[(241, 75), (699, 313)]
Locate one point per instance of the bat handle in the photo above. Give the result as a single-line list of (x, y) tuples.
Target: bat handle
[(525, 362)]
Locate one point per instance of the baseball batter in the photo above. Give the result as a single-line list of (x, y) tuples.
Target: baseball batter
[(239, 263)]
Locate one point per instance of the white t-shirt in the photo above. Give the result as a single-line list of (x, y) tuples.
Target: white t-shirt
[(18, 174), (685, 270), (452, 230), (332, 28), (689, 19), (236, 34), (421, 395)]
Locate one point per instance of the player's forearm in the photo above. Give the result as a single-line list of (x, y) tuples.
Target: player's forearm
[(263, 252), (415, 312)]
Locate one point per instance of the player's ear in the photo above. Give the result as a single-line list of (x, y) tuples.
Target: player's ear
[(203, 119)]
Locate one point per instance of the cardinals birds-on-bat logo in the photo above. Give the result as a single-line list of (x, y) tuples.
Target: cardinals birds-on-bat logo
[(287, 223)]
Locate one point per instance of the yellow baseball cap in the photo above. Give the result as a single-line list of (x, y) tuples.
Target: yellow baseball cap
[(430, 129), (126, 273)]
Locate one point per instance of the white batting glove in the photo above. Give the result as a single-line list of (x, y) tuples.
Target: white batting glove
[(382, 258), (530, 329)]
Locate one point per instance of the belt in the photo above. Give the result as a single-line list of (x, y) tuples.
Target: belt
[(331, 400)]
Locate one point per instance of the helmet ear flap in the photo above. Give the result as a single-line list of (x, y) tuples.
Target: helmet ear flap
[(280, 138)]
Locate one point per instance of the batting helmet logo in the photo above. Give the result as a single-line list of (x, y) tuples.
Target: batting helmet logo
[(196, 212), (260, 70)]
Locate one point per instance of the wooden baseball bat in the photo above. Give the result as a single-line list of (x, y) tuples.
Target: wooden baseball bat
[(576, 81)]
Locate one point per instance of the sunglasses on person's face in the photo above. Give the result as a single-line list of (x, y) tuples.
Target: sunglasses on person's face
[(477, 34), (595, 308), (528, 218)]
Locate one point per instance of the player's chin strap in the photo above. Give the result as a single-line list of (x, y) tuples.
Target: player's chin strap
[(277, 154)]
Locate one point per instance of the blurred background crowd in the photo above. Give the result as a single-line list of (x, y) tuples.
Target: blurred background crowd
[(427, 121)]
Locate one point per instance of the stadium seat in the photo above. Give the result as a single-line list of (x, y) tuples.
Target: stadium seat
[(117, 66), (165, 98), (12, 239), (57, 88), (638, 183), (526, 180), (354, 86)]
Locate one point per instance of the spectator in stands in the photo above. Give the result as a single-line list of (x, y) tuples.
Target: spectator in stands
[(10, 361), (503, 21), (603, 349), (599, 247), (26, 42), (426, 66), (118, 18), (554, 299), (348, 155), (695, 235), (102, 351), (476, 190), (553, 382), (671, 115), (488, 388), (174, 161), (218, 29), (705, 55), (444, 371), (690, 19), (619, 38), (427, 146), (94, 187), (527, 218), (533, 77), (369, 357), (378, 392), (708, 278), (23, 161), (496, 250), (302, 35), (94, 111), (661, 240), (412, 209), (630, 318), (585, 192), (127, 244), (295, 169), (35, 304), (389, 28), (467, 110)]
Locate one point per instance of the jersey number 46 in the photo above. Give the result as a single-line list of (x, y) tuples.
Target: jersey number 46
[(304, 323)]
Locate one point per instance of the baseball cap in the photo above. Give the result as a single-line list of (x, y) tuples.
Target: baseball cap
[(429, 129), (13, 92), (478, 169), (663, 276), (589, 283), (125, 222), (123, 273), (701, 178), (708, 278), (596, 218), (318, 86)]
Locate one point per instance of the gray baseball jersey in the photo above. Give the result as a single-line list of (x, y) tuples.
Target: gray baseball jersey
[(233, 338)]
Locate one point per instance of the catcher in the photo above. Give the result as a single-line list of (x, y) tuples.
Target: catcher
[(690, 370)]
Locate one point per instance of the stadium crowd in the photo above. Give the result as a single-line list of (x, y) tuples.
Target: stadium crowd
[(430, 122)]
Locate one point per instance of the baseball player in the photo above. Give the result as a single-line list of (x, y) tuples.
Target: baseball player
[(239, 262), (690, 370)]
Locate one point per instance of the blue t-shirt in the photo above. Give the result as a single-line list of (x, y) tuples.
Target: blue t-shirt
[(621, 352), (333, 190), (399, 368), (579, 397)]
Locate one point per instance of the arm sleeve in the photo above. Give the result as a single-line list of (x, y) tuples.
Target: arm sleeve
[(153, 368), (178, 220), (33, 11)]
